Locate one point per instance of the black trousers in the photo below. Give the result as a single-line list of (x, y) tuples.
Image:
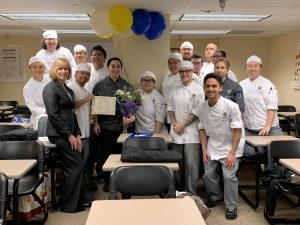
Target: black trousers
[(73, 193)]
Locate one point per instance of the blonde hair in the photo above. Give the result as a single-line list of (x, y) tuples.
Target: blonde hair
[(225, 61), (59, 63)]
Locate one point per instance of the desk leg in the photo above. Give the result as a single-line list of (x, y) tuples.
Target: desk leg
[(257, 194), (16, 201), (52, 175)]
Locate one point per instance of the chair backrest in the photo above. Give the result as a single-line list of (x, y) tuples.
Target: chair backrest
[(283, 150), (286, 108), (3, 197), (24, 150), (7, 128), (42, 125), (297, 125), (142, 181), (9, 103), (147, 143)]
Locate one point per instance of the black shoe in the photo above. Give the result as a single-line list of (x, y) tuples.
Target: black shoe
[(210, 203), (78, 209), (106, 188), (231, 214)]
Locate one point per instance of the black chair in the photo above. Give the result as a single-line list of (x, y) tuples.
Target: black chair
[(3, 198), (280, 182), (21, 109), (6, 114), (152, 143), (52, 159), (287, 124), (4, 128), (27, 184), (297, 125), (142, 181)]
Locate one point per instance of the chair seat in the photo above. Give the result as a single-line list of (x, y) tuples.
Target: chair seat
[(26, 184)]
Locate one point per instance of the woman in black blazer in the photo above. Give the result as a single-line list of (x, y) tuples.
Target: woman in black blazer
[(63, 130)]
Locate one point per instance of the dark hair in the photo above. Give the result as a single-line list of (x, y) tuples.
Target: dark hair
[(214, 76), (44, 46), (112, 59), (99, 48), (195, 56), (222, 52)]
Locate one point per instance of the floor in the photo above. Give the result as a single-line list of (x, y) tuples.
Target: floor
[(246, 215)]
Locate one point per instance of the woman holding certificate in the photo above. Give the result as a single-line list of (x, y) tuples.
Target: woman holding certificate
[(109, 127), (63, 130)]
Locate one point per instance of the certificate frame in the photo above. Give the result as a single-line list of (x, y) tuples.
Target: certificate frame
[(104, 105)]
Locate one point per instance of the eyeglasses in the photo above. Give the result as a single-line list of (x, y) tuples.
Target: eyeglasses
[(196, 63), (146, 80), (217, 56), (182, 72)]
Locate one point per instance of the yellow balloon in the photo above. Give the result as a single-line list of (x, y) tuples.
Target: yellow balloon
[(120, 18), (100, 24), (105, 36)]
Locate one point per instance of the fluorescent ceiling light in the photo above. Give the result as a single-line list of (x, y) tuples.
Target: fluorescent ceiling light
[(219, 17), (74, 31), (200, 31), (72, 17)]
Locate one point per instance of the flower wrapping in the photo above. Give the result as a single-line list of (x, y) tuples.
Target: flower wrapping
[(129, 101)]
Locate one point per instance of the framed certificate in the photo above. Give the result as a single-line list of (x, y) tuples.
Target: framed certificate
[(103, 105)]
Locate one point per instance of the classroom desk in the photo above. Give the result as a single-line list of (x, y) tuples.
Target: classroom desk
[(289, 116), (46, 142), (114, 161), (25, 125), (167, 137), (292, 164), (15, 169), (260, 141), (145, 212)]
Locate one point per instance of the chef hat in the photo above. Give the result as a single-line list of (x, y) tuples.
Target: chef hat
[(148, 74), (175, 55), (79, 48), (34, 59), (186, 44), (186, 64), (83, 67), (254, 58), (50, 34)]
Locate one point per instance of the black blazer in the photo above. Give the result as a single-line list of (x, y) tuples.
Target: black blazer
[(62, 120)]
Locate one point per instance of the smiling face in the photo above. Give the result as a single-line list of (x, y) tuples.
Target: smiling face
[(221, 69), (51, 44), (212, 89), (97, 59), (114, 69), (37, 70), (80, 57), (173, 65), (253, 70), (147, 83), (82, 77), (186, 53), (186, 75), (197, 65)]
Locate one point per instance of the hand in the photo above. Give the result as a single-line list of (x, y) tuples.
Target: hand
[(74, 143), (264, 131), (79, 143), (90, 97), (178, 128), (230, 160), (206, 157), (97, 128), (128, 120)]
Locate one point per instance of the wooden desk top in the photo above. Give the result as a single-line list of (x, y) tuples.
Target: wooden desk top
[(4, 107), (46, 142), (145, 212), (165, 136), (16, 168), (262, 141), (25, 125), (287, 114), (114, 161), (291, 164)]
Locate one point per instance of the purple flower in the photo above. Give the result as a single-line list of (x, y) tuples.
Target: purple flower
[(128, 108)]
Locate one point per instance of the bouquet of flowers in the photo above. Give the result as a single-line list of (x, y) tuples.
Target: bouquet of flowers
[(129, 101)]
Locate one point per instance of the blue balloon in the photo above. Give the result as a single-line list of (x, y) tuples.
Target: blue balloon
[(158, 26), (141, 21)]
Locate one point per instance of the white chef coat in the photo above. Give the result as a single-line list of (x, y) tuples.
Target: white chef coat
[(218, 122), (49, 57), (96, 76), (199, 79), (259, 96), (33, 95), (83, 112), (183, 100), (153, 109)]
